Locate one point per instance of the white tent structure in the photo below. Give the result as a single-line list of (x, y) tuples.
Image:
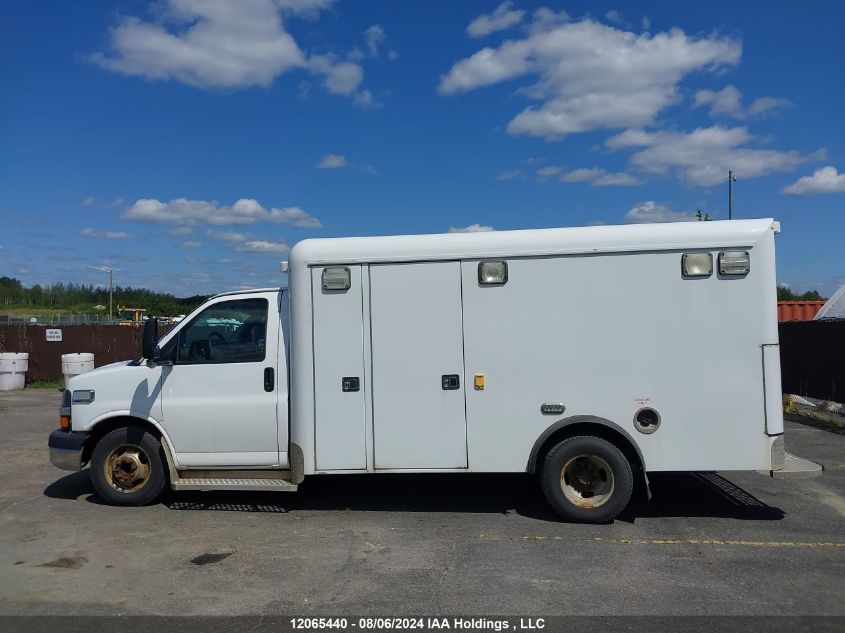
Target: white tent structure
[(835, 306)]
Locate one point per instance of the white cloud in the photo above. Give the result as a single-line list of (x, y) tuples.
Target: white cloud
[(373, 37), (472, 228), (228, 236), (339, 77), (184, 212), (263, 247), (339, 161), (308, 9), (89, 201), (109, 235), (767, 104), (824, 180), (728, 102), (590, 75), (509, 174), (342, 78), (365, 99), (332, 161), (615, 16), (548, 171), (181, 230), (218, 44), (650, 211), (594, 176), (702, 158), (190, 244), (502, 18), (245, 243), (597, 177)]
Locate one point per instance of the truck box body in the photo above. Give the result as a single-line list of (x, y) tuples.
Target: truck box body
[(600, 320)]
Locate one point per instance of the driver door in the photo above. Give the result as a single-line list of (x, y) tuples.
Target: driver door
[(219, 397)]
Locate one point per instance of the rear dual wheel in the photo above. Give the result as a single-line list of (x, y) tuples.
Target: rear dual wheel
[(586, 479)]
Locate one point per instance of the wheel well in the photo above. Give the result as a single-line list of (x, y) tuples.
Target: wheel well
[(596, 429), (107, 426)]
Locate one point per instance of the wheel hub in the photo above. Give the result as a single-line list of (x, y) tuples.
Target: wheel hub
[(127, 468), (587, 481)]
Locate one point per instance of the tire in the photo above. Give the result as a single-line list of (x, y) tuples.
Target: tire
[(586, 479), (127, 467)]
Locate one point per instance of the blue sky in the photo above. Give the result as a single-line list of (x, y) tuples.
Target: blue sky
[(190, 143)]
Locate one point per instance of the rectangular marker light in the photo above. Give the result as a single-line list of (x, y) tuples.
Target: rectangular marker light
[(83, 395), (734, 263), (336, 278), (492, 273), (697, 264)]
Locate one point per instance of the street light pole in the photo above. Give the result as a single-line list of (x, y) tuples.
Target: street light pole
[(109, 271), (730, 194)]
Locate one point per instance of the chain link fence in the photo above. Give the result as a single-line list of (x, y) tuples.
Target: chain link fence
[(56, 319)]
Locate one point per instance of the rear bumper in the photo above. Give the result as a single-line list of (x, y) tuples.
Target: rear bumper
[(66, 449), (797, 468)]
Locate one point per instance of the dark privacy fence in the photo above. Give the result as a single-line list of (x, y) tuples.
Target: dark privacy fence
[(108, 343), (812, 358)]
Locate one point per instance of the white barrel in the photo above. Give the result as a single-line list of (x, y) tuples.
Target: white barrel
[(13, 370), (75, 364)]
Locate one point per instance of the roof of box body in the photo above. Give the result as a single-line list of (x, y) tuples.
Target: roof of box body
[(527, 243)]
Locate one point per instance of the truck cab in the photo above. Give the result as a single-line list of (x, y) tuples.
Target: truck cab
[(214, 393)]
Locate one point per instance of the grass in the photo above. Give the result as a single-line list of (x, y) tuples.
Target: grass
[(48, 311), (46, 384)]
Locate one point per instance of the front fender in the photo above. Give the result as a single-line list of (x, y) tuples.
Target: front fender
[(169, 452)]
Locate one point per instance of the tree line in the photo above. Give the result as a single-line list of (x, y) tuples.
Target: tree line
[(82, 298), (785, 294)]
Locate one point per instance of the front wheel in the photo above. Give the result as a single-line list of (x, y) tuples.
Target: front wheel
[(127, 468), (587, 479)]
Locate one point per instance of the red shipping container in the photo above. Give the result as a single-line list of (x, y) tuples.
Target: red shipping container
[(798, 310)]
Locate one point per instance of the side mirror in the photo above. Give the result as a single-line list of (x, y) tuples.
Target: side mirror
[(149, 341)]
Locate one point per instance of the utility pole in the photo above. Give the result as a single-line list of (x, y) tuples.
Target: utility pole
[(731, 181), (109, 271)]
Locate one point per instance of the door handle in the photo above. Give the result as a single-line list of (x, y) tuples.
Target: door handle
[(450, 382), (269, 381)]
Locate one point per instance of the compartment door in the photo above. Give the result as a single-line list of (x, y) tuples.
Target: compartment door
[(339, 373), (419, 413)]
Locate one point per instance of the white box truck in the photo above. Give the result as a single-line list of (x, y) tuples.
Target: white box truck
[(587, 356)]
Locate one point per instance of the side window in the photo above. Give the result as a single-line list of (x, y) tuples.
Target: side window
[(226, 332)]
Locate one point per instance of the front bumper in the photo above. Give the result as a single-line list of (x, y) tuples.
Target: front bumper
[(66, 449)]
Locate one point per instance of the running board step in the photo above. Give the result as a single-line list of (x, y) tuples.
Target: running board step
[(270, 484)]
